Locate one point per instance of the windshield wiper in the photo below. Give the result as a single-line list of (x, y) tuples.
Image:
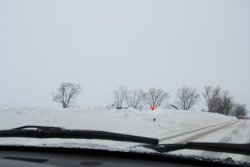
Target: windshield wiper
[(57, 132), (216, 147)]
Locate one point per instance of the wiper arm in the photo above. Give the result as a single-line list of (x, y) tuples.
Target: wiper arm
[(57, 132), (216, 147)]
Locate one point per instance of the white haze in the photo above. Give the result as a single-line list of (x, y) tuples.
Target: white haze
[(139, 43)]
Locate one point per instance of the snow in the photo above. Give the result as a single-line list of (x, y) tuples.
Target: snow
[(235, 133), (126, 121)]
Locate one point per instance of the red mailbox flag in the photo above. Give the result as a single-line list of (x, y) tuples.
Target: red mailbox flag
[(153, 108)]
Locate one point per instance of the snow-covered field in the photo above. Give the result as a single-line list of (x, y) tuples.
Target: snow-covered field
[(157, 124), (127, 121)]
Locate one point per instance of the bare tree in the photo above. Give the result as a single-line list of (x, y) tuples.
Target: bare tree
[(227, 103), (134, 98), (212, 97), (66, 94), (119, 96), (239, 110), (218, 101), (156, 97), (186, 98)]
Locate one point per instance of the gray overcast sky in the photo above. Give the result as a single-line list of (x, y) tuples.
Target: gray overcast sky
[(102, 44)]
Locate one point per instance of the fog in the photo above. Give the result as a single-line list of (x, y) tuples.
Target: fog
[(138, 43)]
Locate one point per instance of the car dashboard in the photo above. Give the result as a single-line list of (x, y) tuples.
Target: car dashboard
[(23, 156)]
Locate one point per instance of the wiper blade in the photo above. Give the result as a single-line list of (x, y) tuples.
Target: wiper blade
[(57, 132), (216, 147)]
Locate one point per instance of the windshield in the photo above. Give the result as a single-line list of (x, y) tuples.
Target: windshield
[(174, 70)]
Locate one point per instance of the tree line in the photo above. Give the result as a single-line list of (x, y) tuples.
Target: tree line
[(216, 99), (137, 98), (154, 97), (220, 101)]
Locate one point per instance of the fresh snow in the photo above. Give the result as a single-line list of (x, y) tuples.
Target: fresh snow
[(147, 123), (127, 121)]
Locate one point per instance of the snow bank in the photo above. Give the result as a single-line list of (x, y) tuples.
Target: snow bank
[(145, 123)]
